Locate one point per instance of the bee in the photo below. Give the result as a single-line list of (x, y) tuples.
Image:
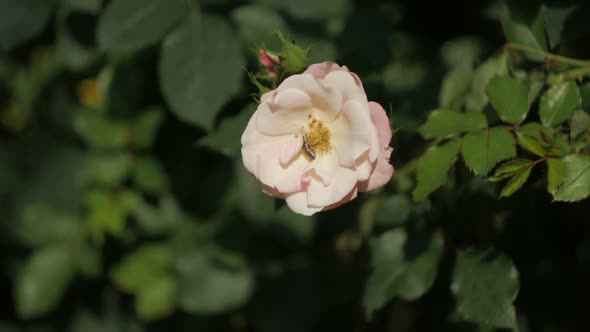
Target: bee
[(307, 146)]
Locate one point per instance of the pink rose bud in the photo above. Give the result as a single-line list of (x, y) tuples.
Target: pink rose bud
[(269, 61), (316, 140)]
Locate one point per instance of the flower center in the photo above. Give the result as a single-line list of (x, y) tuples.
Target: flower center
[(316, 137)]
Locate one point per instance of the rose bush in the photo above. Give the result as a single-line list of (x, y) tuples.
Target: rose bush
[(316, 140)]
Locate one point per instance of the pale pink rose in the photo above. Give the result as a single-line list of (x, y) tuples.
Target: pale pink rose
[(269, 61), (316, 140)]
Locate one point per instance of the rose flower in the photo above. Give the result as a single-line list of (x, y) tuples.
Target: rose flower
[(316, 141)]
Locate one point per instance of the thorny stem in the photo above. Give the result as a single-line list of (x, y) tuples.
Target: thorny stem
[(550, 56)]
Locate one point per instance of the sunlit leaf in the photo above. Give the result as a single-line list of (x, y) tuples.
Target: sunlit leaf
[(558, 103), (433, 168), (531, 144), (517, 181), (509, 96), (481, 152), (555, 174), (477, 98), (441, 123), (576, 185)]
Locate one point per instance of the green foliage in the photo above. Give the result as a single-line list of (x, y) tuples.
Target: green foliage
[(43, 280), (126, 206), (400, 269), (509, 96), (481, 152), (576, 185), (197, 81), (433, 168), (558, 103), (484, 285), (441, 123), (127, 25), (23, 20)]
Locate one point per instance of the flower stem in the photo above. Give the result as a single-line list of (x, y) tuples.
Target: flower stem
[(550, 56), (571, 74)]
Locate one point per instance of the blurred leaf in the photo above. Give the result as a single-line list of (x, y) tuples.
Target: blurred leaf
[(43, 281), (433, 167), (531, 144), (87, 6), (128, 25), (87, 259), (393, 210), (441, 123), (481, 152), (22, 20), (396, 272), (460, 50), (161, 219), (517, 181), (144, 128), (156, 299), (197, 81), (509, 96), (148, 175), (137, 270), (212, 284), (226, 138), (576, 185), (585, 94), (309, 9), (414, 73), (108, 211), (477, 98), (509, 168), (76, 54), (558, 103), (527, 31), (485, 285), (106, 168), (98, 131), (256, 25), (555, 174), (42, 224), (455, 86), (579, 123), (555, 19), (256, 205)]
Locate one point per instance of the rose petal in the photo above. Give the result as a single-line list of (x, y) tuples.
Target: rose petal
[(345, 199), (326, 100), (344, 82), (292, 176), (353, 133), (320, 70), (291, 150), (380, 176), (285, 115), (381, 122), (320, 195), (326, 165), (298, 203)]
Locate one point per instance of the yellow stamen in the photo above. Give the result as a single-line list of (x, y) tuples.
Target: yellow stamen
[(316, 137)]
